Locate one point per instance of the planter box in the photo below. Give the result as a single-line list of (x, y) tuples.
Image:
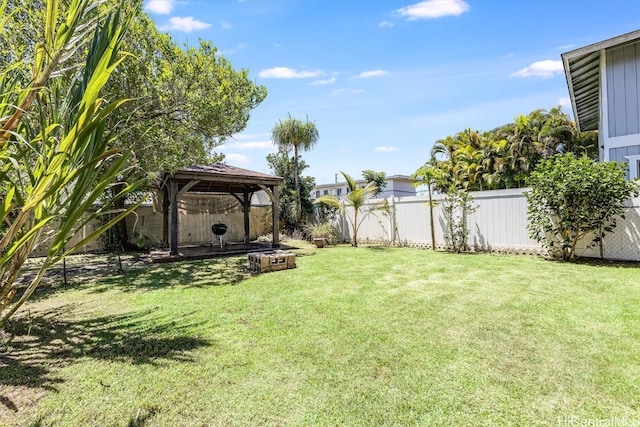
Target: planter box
[(271, 261)]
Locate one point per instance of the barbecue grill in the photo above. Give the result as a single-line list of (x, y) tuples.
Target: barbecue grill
[(218, 230)]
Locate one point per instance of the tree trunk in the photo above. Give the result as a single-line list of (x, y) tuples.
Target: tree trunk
[(433, 228), (601, 242), (121, 230), (297, 185), (355, 228)]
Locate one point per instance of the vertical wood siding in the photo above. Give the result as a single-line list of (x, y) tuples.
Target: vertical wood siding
[(623, 85)]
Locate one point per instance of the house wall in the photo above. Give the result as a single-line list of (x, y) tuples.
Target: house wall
[(620, 154), (620, 123), (398, 188), (623, 91)]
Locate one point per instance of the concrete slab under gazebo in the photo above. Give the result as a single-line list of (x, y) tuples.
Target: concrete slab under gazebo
[(215, 179)]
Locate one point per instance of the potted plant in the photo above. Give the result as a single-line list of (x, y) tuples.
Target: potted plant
[(319, 233)]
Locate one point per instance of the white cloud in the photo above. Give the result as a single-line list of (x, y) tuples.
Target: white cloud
[(234, 50), (387, 24), (372, 73), (225, 25), (346, 92), (547, 68), (386, 149), (185, 24), (287, 73), (323, 82), (244, 142), (565, 103), (235, 158), (431, 9), (251, 136), (162, 7), (251, 145)]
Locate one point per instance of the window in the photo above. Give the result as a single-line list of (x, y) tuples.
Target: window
[(339, 192)]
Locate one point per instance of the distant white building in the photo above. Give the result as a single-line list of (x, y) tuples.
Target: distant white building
[(397, 186)]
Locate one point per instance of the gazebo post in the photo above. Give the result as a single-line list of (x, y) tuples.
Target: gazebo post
[(276, 216), (173, 204), (246, 210)]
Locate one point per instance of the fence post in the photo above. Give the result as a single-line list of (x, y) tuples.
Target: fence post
[(392, 219), (344, 224)]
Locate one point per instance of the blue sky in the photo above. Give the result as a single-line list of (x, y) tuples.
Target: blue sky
[(384, 79)]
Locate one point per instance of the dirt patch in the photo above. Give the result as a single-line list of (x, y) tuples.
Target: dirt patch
[(17, 401)]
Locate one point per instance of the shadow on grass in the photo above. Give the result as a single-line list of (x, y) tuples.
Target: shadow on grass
[(143, 417), (598, 262), (376, 247), (221, 271), (35, 348)]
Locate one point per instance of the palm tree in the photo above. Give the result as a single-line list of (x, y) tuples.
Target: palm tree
[(294, 133), (442, 158), (430, 175), (356, 198)]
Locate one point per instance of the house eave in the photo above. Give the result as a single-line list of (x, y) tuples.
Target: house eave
[(582, 72)]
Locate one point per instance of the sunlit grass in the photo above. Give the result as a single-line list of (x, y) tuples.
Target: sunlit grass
[(353, 336)]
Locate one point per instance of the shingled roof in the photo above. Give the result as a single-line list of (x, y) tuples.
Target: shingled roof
[(222, 178)]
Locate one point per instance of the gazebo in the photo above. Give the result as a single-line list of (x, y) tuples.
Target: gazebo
[(215, 179)]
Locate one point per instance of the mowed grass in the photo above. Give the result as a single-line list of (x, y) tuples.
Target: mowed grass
[(362, 336)]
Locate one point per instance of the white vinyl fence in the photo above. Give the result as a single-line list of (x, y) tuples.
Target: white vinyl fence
[(499, 224)]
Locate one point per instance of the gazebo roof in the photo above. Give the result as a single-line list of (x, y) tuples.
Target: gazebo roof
[(221, 178)]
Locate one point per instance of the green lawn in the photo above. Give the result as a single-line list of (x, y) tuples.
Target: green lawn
[(353, 336)]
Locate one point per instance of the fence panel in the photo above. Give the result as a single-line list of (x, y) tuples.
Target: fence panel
[(499, 223)]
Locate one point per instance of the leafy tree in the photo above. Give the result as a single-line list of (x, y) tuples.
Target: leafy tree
[(189, 100), (325, 213), (55, 161), (357, 198), (283, 165), (186, 100), (295, 134), (378, 177), (571, 198)]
